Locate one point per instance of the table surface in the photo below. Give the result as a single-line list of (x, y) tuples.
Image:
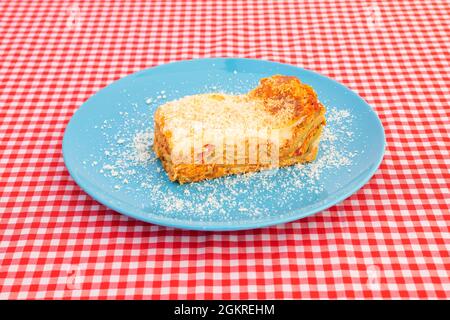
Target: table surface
[(390, 239)]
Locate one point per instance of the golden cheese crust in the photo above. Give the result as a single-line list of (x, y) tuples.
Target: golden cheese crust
[(281, 93)]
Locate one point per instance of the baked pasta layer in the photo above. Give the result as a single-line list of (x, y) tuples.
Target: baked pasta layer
[(207, 136)]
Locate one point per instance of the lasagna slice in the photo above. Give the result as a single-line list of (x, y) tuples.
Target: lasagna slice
[(210, 135)]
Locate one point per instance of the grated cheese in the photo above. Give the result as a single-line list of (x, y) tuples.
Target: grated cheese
[(131, 167)]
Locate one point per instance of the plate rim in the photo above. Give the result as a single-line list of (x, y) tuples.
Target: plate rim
[(291, 215)]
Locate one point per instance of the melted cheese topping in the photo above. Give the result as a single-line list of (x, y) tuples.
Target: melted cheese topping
[(219, 111)]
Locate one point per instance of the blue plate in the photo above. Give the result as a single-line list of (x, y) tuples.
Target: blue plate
[(102, 140)]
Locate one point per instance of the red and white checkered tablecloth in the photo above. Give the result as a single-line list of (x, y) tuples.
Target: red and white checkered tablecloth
[(391, 239)]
